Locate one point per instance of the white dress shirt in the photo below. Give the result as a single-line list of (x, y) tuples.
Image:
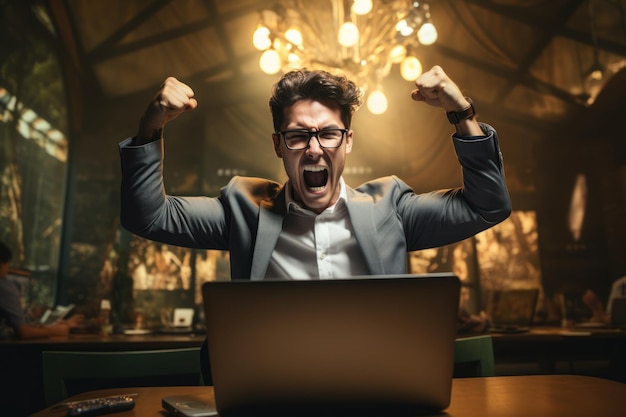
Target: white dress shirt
[(316, 246)]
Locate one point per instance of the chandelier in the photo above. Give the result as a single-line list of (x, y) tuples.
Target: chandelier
[(362, 39)]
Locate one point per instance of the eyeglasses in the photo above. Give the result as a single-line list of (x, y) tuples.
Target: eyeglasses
[(299, 139)]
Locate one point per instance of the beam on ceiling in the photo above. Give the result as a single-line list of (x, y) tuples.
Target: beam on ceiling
[(513, 76), (137, 20)]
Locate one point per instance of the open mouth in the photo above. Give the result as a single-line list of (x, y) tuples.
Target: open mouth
[(315, 177)]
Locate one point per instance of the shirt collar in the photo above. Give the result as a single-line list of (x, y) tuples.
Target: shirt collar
[(292, 205)]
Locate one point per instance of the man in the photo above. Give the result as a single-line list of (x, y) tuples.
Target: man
[(11, 310), (314, 225)]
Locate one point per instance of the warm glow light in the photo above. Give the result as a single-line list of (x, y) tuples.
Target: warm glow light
[(364, 39), (270, 62), (597, 75), (410, 68), (427, 34), (403, 27), (377, 102), (294, 61), (348, 34), (577, 207), (261, 39), (362, 7), (294, 36), (397, 54)]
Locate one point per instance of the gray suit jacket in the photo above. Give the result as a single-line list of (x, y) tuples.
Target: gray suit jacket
[(389, 219)]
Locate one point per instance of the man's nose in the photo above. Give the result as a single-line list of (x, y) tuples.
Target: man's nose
[(314, 146)]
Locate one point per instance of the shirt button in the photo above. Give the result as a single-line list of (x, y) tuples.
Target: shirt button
[(322, 255)]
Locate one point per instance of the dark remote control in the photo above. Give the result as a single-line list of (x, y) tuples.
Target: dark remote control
[(98, 406)]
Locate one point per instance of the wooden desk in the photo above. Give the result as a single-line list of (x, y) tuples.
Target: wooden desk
[(20, 362), (536, 396)]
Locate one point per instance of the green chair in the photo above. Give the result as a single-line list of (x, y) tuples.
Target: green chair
[(473, 357), (69, 373)]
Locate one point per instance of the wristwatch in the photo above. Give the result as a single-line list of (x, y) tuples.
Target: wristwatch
[(455, 117)]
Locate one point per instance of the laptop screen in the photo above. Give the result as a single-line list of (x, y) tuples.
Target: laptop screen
[(515, 307)]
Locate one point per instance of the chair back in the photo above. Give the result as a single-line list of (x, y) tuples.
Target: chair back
[(69, 373), (473, 357)]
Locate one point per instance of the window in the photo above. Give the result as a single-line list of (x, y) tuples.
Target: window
[(33, 147)]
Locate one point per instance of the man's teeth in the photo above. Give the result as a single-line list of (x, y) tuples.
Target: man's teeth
[(314, 168)]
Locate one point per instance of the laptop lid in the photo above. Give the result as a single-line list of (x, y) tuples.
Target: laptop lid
[(368, 345)]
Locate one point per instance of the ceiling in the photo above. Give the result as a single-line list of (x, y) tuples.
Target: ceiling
[(522, 61), (503, 50)]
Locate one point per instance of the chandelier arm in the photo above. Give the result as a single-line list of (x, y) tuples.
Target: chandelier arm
[(315, 27), (381, 36)]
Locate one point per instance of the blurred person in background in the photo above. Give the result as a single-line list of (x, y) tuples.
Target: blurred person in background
[(13, 319)]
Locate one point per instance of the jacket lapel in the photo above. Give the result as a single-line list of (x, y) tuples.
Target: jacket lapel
[(361, 211), (271, 215)]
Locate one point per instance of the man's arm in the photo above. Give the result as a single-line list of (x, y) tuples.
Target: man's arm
[(146, 209), (28, 331), (443, 217)]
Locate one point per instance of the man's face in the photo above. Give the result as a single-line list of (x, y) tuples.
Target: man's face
[(313, 172)]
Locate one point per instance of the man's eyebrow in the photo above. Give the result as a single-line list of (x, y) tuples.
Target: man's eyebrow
[(329, 126)]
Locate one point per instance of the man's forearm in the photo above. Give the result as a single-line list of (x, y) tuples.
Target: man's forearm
[(147, 133)]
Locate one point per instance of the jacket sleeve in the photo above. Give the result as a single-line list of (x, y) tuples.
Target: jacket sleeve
[(446, 216), (147, 210)]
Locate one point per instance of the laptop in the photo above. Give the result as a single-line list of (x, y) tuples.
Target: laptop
[(512, 311), (53, 315), (181, 323), (375, 345)]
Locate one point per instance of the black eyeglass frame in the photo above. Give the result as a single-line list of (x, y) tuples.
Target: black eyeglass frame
[(313, 133)]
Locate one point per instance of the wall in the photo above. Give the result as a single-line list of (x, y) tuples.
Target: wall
[(593, 144)]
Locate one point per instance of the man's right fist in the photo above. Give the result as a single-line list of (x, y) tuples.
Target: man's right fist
[(172, 99)]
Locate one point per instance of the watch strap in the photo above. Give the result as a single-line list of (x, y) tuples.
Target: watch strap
[(454, 117)]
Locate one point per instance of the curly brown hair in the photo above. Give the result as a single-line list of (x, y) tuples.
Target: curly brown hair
[(303, 84)]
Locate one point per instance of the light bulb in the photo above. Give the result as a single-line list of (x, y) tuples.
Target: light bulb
[(270, 62), (403, 28), (597, 75), (294, 36), (427, 35), (410, 68), (377, 102), (348, 34), (362, 7), (261, 39), (294, 61), (397, 54)]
